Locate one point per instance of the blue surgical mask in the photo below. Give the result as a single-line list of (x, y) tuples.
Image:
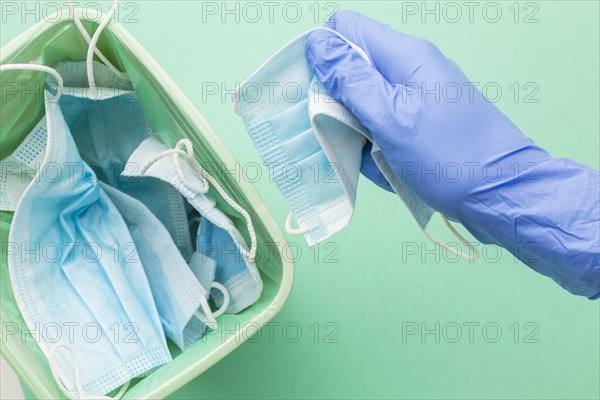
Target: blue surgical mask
[(108, 129), (296, 126), (179, 296), (70, 269), (220, 245), (279, 124)]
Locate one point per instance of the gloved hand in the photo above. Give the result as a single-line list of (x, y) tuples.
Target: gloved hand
[(459, 153), (435, 129)]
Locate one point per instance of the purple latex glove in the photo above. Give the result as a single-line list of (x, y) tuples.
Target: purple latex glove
[(460, 153)]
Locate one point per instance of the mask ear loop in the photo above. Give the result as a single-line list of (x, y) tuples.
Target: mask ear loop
[(92, 46), (39, 68), (226, 298), (206, 316), (475, 253), (88, 39), (78, 384), (209, 317), (176, 152), (290, 229)]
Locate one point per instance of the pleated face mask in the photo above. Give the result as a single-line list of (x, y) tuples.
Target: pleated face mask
[(69, 268), (320, 190), (297, 127), (107, 129), (220, 245)]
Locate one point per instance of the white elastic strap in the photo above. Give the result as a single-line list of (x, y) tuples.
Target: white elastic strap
[(40, 68), (88, 39), (78, 384), (206, 316), (475, 253), (290, 229), (176, 152), (226, 298), (94, 41)]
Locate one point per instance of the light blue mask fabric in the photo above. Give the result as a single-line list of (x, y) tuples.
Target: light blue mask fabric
[(219, 242), (297, 125), (204, 268), (65, 272), (177, 293), (107, 129), (216, 246), (18, 170)]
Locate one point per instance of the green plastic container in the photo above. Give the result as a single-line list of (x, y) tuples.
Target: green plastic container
[(172, 117)]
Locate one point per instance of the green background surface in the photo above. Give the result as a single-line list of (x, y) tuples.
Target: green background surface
[(344, 332)]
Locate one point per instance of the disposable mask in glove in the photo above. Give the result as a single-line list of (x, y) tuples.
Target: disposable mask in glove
[(296, 126)]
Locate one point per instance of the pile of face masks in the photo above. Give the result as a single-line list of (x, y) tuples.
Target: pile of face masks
[(115, 231)]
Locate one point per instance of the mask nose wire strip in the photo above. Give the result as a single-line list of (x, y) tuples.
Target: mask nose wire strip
[(39, 68), (188, 154), (88, 39), (79, 386), (94, 41), (475, 253)]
